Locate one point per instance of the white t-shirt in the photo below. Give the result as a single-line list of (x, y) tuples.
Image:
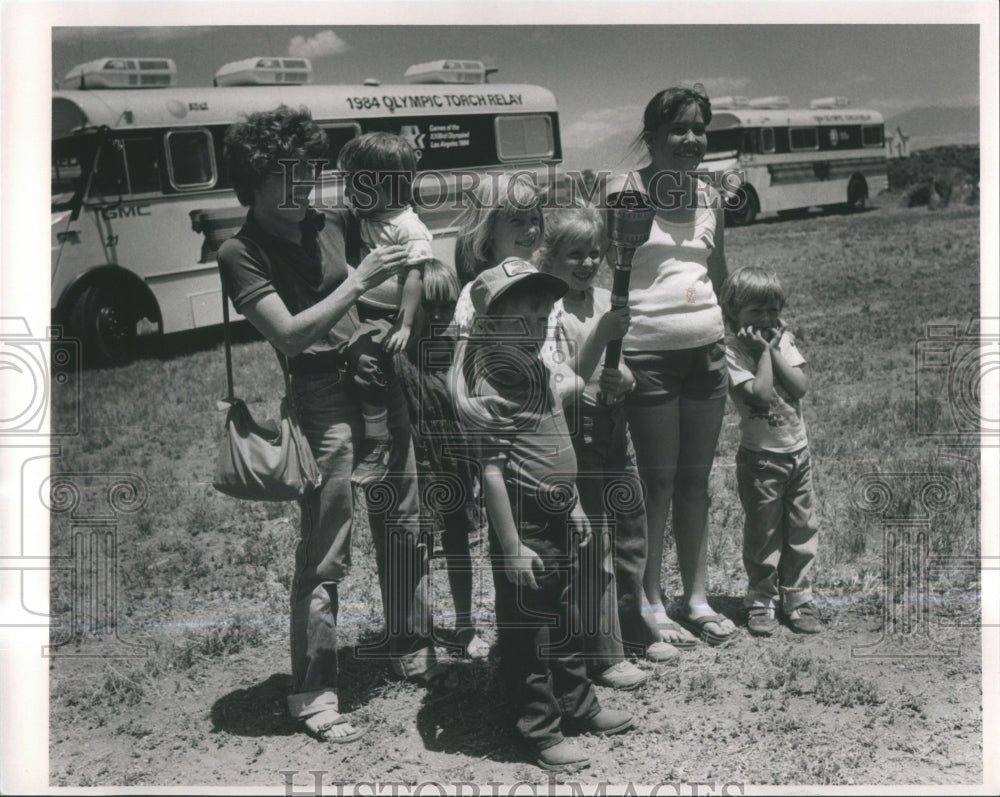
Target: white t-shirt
[(402, 227), (671, 299), (778, 427)]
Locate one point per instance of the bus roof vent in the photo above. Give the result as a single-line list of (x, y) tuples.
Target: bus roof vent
[(829, 102), (265, 71), (450, 71), (770, 102), (726, 103), (121, 73)]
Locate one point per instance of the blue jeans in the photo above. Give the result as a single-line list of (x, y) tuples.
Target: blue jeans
[(330, 416), (541, 650), (780, 532), (613, 562)]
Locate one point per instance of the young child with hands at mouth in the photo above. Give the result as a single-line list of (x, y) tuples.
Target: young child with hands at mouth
[(773, 468)]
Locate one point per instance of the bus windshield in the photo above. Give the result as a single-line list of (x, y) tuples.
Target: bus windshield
[(71, 159), (724, 144)]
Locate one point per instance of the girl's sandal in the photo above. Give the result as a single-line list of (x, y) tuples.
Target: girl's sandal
[(319, 724), (673, 633)]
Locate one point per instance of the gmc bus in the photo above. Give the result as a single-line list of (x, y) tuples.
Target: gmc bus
[(141, 201)]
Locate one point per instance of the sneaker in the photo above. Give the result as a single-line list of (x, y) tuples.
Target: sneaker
[(606, 722), (373, 463), (804, 619), (662, 653), (562, 757), (762, 621), (623, 675)]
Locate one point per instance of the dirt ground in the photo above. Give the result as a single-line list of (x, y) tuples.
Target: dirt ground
[(788, 710)]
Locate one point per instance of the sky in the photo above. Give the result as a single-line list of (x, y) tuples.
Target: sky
[(602, 75)]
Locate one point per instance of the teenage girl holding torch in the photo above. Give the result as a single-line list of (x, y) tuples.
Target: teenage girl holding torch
[(674, 348)]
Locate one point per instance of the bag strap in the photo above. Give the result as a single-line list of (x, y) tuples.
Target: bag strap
[(282, 360)]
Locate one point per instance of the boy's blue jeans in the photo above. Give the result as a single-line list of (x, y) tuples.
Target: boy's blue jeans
[(541, 651), (780, 533), (330, 416), (612, 564)]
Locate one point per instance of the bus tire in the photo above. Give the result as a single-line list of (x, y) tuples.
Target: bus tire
[(857, 194), (746, 209), (106, 326)]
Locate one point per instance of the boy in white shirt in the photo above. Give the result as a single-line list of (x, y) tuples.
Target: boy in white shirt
[(773, 469), (380, 168)]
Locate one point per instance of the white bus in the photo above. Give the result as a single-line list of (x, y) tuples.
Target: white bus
[(141, 201), (792, 159)]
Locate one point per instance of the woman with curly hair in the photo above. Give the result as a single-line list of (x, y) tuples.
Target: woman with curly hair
[(287, 271)]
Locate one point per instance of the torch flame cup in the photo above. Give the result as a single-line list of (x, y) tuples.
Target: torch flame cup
[(630, 219)]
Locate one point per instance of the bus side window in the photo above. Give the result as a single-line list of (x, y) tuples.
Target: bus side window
[(190, 159), (109, 180), (143, 166), (524, 137), (749, 145), (767, 139), (803, 138)]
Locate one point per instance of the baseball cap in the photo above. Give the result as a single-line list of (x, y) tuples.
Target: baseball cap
[(494, 282)]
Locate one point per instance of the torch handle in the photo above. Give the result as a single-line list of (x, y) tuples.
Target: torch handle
[(619, 298)]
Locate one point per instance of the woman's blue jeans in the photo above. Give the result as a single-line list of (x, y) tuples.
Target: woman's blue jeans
[(331, 419)]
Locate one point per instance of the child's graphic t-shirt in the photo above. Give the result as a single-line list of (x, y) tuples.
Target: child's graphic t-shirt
[(778, 427)]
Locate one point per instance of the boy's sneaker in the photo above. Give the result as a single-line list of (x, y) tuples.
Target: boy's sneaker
[(662, 653), (373, 463), (804, 619), (623, 675), (762, 621), (606, 722), (562, 757)]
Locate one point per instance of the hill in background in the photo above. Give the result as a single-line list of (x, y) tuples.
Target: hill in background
[(929, 127), (926, 127)]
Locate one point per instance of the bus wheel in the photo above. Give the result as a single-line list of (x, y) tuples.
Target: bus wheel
[(857, 194), (105, 325), (745, 210)]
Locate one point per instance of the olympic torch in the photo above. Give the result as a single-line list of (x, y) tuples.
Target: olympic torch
[(629, 220)]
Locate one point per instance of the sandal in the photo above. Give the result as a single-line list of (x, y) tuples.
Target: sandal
[(699, 626), (318, 724), (669, 631)]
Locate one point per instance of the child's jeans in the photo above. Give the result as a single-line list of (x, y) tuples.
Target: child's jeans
[(368, 363), (780, 532), (541, 654), (612, 564)]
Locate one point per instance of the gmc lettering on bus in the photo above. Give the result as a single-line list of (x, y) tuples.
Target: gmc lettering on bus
[(126, 211)]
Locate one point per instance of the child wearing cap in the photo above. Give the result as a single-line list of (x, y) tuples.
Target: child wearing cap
[(528, 480)]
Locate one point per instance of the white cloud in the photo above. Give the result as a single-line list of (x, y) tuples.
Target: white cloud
[(154, 34), (323, 44)]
